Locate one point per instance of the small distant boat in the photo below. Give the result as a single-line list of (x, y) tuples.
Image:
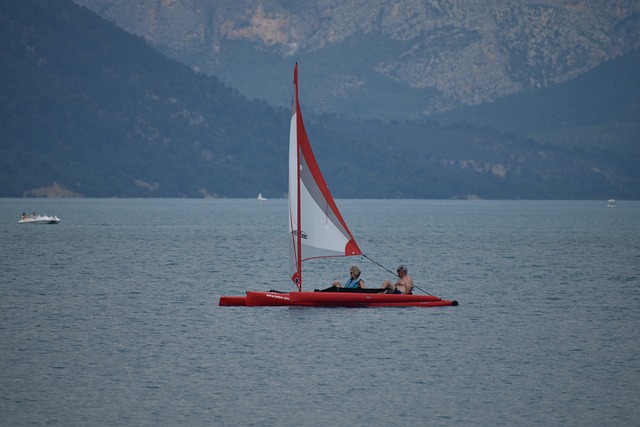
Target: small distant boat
[(38, 219), (261, 199), (611, 203)]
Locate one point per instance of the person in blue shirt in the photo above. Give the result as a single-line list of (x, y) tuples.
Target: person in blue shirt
[(354, 279)]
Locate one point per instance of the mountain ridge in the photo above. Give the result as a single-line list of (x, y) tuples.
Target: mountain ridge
[(438, 54), (93, 111)]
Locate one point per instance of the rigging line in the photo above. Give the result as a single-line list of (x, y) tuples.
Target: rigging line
[(418, 287), (379, 265), (395, 274)]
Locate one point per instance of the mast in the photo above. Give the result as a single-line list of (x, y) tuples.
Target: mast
[(298, 210)]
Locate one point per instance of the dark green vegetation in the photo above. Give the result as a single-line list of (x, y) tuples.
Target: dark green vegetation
[(97, 111)]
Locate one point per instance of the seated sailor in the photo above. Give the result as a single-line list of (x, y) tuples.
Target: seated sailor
[(354, 279), (354, 282), (404, 285)]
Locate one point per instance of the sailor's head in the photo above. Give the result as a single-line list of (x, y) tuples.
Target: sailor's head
[(355, 270), (402, 269)]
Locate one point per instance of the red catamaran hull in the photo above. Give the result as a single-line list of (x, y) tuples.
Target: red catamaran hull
[(233, 301), (333, 299), (256, 299)]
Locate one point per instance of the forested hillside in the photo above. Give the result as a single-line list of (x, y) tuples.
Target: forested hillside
[(89, 110), (96, 110)]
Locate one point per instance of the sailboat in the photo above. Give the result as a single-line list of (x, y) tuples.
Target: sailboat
[(261, 198), (318, 230)]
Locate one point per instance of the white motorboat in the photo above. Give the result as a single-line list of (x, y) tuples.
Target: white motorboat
[(38, 219)]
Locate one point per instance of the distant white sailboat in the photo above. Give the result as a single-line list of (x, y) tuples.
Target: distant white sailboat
[(261, 199)]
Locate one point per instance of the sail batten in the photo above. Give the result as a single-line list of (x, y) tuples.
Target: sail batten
[(316, 226)]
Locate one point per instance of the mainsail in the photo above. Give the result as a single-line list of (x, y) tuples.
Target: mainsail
[(316, 226)]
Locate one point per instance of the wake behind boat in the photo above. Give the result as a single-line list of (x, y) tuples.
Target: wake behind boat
[(38, 219), (317, 230)]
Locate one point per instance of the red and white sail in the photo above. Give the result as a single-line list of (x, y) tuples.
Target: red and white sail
[(312, 210)]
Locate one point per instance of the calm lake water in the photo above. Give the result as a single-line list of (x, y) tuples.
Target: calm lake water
[(111, 317)]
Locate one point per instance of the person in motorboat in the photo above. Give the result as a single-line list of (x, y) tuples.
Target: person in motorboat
[(404, 285), (24, 216)]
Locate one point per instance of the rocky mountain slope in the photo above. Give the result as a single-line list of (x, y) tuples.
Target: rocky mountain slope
[(385, 58), (90, 110)]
